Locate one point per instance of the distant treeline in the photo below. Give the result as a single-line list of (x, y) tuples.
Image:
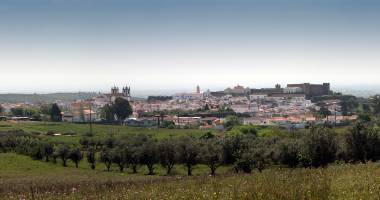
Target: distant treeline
[(32, 98), (330, 97), (161, 98)]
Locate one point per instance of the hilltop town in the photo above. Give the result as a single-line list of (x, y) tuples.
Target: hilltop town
[(294, 106)]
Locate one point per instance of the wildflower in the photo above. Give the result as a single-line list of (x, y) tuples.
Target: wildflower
[(74, 189)]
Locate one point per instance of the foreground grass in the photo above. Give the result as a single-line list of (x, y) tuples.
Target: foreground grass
[(22, 177)]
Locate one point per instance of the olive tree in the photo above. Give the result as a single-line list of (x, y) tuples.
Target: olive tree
[(106, 157), (63, 153), (90, 155), (188, 153), (75, 155), (149, 155), (362, 142), (210, 154), (320, 146), (166, 149)]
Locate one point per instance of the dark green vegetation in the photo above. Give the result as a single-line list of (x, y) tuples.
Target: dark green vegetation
[(333, 96), (37, 167), (159, 98), (32, 98)]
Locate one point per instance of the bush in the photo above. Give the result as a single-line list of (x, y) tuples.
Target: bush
[(365, 117), (208, 135), (51, 133), (88, 134), (246, 129), (307, 126), (234, 132), (171, 126)]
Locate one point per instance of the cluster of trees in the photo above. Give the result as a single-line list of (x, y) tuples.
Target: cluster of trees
[(244, 151), (369, 112), (121, 109), (49, 112)]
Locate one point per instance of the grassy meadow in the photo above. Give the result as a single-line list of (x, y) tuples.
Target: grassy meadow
[(100, 131), (24, 178)]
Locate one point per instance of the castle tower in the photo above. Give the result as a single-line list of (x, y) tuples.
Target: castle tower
[(198, 89), (326, 88), (114, 89)]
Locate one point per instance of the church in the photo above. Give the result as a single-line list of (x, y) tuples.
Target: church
[(126, 94)]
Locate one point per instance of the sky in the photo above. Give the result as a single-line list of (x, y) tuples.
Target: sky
[(175, 45)]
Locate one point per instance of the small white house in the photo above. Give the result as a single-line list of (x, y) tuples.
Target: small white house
[(253, 120), (293, 90), (258, 96)]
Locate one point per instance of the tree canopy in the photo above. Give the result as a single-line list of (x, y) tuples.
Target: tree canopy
[(232, 121), (122, 108), (55, 114), (107, 113)]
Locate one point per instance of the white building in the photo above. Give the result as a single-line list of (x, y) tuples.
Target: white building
[(285, 96), (238, 89), (253, 120), (198, 94), (293, 90), (258, 96)]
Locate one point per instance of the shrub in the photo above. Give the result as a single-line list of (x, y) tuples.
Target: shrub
[(208, 135), (171, 126)]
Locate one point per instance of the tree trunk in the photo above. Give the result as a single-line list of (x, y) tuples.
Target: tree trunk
[(168, 169), (213, 170), (189, 170), (76, 164)]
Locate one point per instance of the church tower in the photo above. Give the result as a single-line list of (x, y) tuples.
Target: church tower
[(198, 89), (114, 89), (127, 92)]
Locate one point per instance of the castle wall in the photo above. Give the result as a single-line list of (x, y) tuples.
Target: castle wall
[(316, 90), (313, 89), (268, 90), (295, 85)]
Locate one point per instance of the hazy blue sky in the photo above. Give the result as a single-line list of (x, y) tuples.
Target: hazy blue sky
[(91, 45)]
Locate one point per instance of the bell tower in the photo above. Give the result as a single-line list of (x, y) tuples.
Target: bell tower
[(114, 89), (198, 89), (127, 92)]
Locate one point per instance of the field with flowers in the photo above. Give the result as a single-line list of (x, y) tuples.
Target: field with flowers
[(24, 178)]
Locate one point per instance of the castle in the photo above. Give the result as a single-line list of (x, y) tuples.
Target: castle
[(313, 89)]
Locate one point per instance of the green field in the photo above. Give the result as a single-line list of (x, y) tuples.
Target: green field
[(100, 131), (25, 178), (31, 177)]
